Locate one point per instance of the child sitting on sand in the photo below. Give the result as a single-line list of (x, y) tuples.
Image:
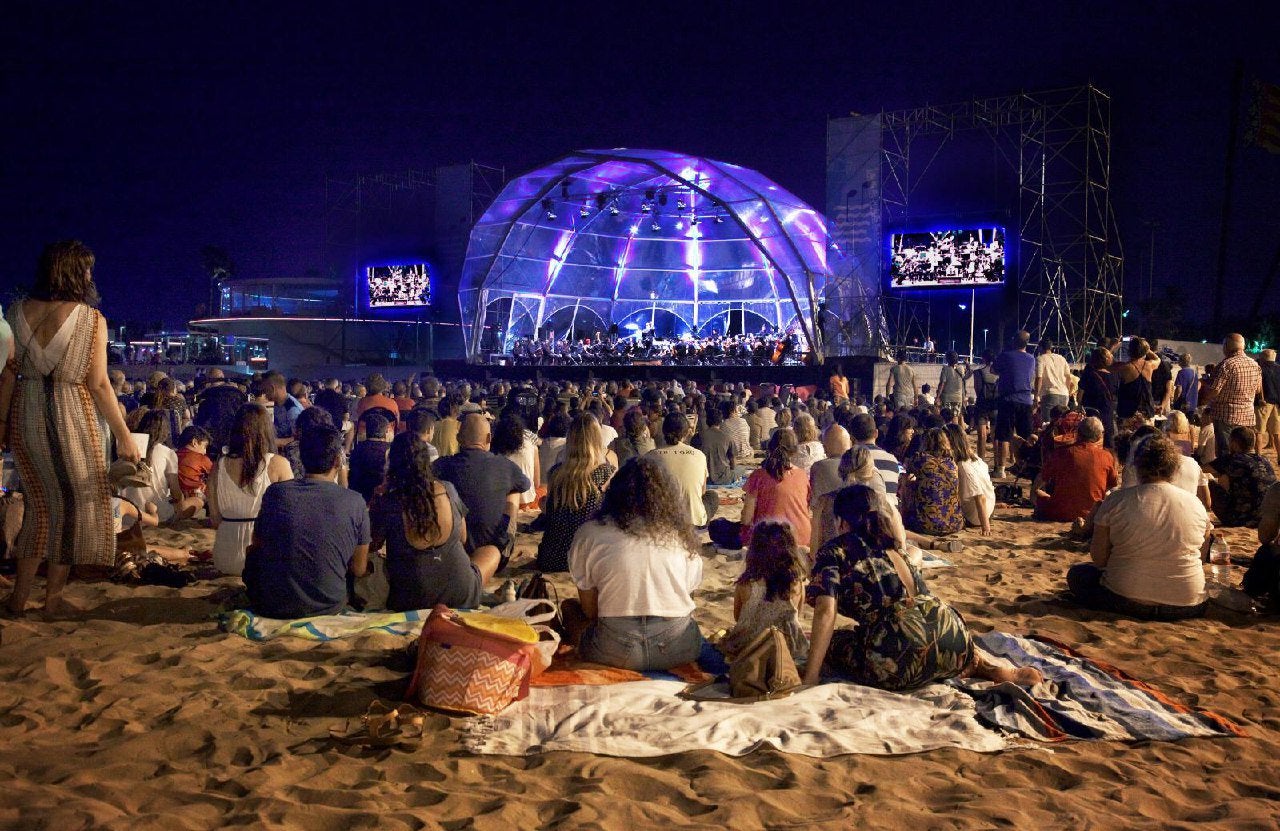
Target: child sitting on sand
[(194, 465), (769, 592)]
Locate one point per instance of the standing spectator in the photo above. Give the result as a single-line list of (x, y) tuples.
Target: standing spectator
[(1098, 391), (953, 386), (310, 535), (839, 385), (489, 485), (1054, 381), (1243, 477), (1133, 388), (1269, 406), (378, 387), (986, 399), (1236, 382), (1161, 380), (1016, 390), (901, 387), (1186, 386), (688, 468), (400, 394), (53, 389)]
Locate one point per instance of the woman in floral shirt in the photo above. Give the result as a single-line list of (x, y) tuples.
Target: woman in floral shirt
[(904, 638), (929, 494)]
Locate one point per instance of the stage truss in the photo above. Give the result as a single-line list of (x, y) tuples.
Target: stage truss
[(1069, 268)]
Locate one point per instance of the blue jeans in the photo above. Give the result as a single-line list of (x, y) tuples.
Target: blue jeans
[(641, 643)]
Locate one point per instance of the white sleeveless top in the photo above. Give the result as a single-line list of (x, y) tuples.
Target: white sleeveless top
[(237, 503)]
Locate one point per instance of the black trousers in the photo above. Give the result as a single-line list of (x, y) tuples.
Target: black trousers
[(1085, 582)]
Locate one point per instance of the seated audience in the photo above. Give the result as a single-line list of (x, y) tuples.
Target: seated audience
[(977, 493), (1148, 545), (165, 491), (634, 440), (555, 432), (420, 520), (1189, 477), (687, 467), (194, 465), (905, 637), (636, 566), (447, 427), (777, 490), (716, 444), (808, 448), (1243, 477), (421, 422), (1075, 478), (768, 593), (574, 492), (1262, 580), (1181, 433), (310, 535), (369, 457), (378, 399), (239, 481), (863, 431), (929, 495), (510, 440), (489, 485)]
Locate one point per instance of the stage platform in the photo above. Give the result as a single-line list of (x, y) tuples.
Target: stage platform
[(859, 369)]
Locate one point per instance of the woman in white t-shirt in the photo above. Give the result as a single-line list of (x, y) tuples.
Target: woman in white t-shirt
[(1149, 544), (809, 449), (636, 567), (977, 493), (1189, 476)]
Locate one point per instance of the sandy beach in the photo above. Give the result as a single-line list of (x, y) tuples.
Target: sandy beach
[(145, 715)]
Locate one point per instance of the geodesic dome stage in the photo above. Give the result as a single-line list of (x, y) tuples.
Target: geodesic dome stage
[(641, 240)]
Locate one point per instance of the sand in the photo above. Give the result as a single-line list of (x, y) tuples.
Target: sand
[(145, 716)]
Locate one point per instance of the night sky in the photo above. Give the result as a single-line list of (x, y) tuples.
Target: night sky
[(150, 130)]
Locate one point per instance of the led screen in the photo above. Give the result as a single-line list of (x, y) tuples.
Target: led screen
[(948, 259), (392, 286)]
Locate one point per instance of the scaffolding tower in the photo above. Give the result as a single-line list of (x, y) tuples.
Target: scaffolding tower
[(1069, 264)]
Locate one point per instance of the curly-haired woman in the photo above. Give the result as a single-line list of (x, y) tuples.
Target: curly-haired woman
[(636, 567)]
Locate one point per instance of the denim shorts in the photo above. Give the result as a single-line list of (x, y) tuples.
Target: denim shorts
[(641, 643)]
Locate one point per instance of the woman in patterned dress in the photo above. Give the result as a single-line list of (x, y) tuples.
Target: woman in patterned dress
[(929, 494), (52, 393), (905, 637), (574, 492)]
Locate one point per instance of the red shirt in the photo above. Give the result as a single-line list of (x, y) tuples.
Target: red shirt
[(193, 471), (783, 501), (1078, 476), (370, 401)]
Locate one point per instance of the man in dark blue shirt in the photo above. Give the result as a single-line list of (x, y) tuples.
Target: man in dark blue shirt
[(310, 534), (1016, 390)]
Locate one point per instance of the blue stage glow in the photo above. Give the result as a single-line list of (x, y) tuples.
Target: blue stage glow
[(640, 236)]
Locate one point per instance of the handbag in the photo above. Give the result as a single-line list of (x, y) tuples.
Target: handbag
[(764, 669), (475, 664)]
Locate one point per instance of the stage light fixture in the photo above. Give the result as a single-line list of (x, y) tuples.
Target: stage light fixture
[(693, 221), (613, 210), (719, 219), (680, 205), (549, 207), (644, 208), (584, 211), (655, 226)]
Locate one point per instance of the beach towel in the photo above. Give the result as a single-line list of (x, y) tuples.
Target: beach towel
[(646, 718), (1082, 698), (566, 671), (246, 624)]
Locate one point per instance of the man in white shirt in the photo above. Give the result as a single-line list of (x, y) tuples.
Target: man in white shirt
[(738, 428), (688, 466), (1054, 379)]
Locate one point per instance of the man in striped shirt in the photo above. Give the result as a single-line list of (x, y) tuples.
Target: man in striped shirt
[(1235, 385), (862, 429)]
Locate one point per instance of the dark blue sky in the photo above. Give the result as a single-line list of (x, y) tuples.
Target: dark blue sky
[(150, 130)]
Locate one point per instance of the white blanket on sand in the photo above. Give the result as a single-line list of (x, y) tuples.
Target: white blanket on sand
[(645, 718)]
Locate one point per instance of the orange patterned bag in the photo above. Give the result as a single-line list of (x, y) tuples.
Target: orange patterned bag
[(467, 668)]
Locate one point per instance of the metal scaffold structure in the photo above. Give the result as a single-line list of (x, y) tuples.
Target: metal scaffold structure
[(1070, 266)]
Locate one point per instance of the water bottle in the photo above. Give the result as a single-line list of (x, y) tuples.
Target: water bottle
[(1220, 560)]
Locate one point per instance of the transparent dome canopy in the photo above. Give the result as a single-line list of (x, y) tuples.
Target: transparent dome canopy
[(641, 239)]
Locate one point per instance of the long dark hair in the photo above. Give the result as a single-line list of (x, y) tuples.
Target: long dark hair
[(772, 558), (781, 450), (252, 438), (156, 425), (862, 508), (643, 500), (65, 272), (412, 481)]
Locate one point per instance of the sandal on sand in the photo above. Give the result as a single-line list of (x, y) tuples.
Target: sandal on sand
[(385, 724), (951, 546)]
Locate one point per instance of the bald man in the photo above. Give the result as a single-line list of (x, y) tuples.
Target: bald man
[(1236, 383), (489, 486)]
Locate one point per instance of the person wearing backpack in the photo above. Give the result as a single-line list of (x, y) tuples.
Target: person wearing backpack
[(986, 387)]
